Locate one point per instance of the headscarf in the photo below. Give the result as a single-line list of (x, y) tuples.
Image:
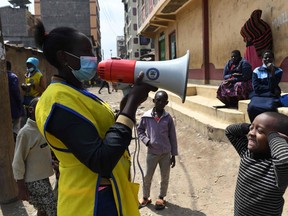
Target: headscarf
[(257, 32), (34, 61)]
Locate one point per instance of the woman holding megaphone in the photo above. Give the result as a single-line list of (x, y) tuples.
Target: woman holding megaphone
[(82, 132)]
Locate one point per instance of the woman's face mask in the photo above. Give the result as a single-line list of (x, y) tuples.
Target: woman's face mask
[(30, 70), (87, 69)]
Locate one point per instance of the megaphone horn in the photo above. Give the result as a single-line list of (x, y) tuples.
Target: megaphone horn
[(171, 75)]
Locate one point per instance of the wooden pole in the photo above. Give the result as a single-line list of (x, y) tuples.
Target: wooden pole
[(8, 187)]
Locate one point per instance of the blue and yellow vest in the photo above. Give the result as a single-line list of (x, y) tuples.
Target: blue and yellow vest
[(78, 185), (35, 79)]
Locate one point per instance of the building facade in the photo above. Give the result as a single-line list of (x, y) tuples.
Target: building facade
[(82, 15), (136, 45), (120, 45), (210, 30), (17, 23)]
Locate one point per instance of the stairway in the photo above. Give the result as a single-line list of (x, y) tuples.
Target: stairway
[(201, 114)]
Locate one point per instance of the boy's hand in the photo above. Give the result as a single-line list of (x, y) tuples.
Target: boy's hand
[(23, 193), (172, 161)]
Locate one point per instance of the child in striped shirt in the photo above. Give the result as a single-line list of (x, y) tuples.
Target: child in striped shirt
[(263, 172)]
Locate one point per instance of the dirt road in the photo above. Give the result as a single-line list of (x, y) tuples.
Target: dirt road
[(201, 184)]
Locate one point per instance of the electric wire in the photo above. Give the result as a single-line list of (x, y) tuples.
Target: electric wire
[(136, 155)]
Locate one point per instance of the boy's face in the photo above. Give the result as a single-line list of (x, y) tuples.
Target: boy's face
[(257, 136), (160, 101)]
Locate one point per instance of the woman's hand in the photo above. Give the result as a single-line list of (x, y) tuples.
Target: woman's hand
[(236, 74), (137, 95), (271, 68)]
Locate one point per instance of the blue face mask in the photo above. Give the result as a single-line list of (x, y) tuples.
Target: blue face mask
[(88, 68), (30, 70)]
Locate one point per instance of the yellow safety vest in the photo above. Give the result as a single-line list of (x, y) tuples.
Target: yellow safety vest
[(35, 79), (77, 190)]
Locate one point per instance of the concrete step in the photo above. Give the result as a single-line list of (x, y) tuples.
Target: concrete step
[(212, 129), (205, 106), (203, 117)]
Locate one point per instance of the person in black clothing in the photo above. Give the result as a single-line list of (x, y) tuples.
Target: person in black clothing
[(266, 90), (104, 83), (17, 109), (237, 83)]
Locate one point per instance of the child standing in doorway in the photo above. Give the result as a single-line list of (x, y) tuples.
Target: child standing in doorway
[(157, 131)]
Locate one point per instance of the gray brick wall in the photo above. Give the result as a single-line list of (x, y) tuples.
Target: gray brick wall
[(15, 25), (71, 13)]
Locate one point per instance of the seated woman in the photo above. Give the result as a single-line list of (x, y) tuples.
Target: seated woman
[(237, 84), (266, 91)]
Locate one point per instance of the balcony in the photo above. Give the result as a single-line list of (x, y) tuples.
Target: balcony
[(159, 16)]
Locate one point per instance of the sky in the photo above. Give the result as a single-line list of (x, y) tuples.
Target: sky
[(111, 23)]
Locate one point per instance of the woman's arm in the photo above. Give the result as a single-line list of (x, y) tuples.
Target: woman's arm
[(82, 139)]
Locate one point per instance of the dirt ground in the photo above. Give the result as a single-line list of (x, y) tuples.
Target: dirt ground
[(201, 184)]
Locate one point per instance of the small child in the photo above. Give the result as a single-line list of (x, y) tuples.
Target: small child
[(32, 166), (263, 172), (157, 131)]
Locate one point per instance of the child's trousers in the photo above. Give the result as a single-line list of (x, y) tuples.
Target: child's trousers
[(151, 163)]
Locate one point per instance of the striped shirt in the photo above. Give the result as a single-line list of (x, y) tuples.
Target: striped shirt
[(262, 182)]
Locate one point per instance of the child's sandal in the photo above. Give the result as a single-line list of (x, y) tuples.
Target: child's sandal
[(160, 204), (144, 202)]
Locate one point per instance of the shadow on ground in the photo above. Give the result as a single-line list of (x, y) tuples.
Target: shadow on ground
[(173, 210), (14, 209)]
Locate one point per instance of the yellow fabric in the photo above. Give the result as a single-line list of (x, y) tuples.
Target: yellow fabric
[(77, 184), (35, 80), (125, 120)]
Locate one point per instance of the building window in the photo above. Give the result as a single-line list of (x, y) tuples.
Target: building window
[(135, 27), (172, 45), (161, 42), (134, 11), (136, 54), (144, 40), (135, 40), (144, 51)]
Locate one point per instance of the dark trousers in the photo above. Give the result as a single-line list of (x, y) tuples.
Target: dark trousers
[(104, 84), (260, 105), (106, 204)]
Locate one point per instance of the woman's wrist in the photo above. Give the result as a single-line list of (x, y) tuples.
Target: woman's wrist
[(126, 120)]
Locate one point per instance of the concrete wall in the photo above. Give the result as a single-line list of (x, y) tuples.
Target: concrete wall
[(71, 13), (225, 19), (16, 24), (190, 35)]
